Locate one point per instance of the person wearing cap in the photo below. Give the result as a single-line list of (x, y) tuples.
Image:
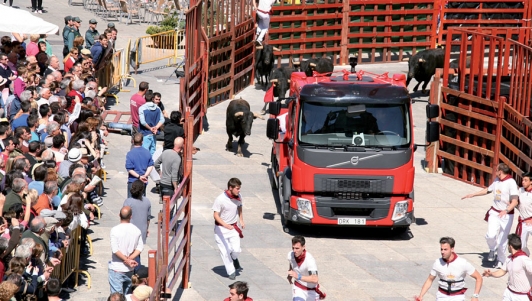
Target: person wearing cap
[(141, 293), (91, 34), (73, 156), (44, 202), (110, 25), (139, 278), (66, 31), (86, 54), (72, 34)]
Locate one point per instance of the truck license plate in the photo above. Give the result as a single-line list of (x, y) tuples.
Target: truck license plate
[(351, 221)]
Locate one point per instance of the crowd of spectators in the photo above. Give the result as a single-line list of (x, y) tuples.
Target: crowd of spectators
[(52, 144)]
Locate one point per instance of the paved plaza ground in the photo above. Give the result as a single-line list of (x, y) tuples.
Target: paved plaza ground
[(354, 263)]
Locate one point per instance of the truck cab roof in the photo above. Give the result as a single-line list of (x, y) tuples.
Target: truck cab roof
[(343, 87)]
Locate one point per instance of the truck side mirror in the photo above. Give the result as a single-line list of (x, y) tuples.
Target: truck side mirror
[(274, 108), (272, 127), (433, 111), (433, 131)]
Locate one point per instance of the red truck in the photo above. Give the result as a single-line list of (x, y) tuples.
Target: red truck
[(343, 150)]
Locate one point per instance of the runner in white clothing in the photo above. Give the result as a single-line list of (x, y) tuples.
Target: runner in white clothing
[(524, 225), (501, 215), (227, 212), (451, 271), (518, 266), (303, 272), (264, 10)]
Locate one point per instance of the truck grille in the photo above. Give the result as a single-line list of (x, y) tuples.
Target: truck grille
[(347, 186), (352, 211), (353, 184)]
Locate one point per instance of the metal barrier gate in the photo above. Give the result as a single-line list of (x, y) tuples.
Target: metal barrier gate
[(485, 105)]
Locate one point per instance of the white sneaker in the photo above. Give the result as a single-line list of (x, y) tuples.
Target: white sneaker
[(499, 265), (491, 256), (39, 11)]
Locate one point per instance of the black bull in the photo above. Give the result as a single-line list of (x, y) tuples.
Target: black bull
[(422, 66), (239, 120)]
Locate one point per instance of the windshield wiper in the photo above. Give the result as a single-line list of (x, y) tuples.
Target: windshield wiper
[(307, 144)]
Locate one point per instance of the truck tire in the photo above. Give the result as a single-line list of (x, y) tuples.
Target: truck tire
[(274, 180), (285, 206)]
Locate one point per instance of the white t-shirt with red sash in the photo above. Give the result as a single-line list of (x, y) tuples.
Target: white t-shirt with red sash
[(524, 207), (519, 268), (452, 274), (502, 190)]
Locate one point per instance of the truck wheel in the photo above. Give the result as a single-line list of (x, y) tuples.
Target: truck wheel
[(286, 224), (274, 178)]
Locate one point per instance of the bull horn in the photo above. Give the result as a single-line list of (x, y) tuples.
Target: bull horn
[(296, 62), (259, 47), (276, 49), (288, 81), (274, 80), (312, 65), (257, 115), (238, 114), (421, 60)]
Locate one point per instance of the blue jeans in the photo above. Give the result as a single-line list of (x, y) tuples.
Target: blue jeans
[(120, 282), (122, 126), (149, 143)]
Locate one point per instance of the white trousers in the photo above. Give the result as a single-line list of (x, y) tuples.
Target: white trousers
[(443, 297), (228, 242), (263, 26), (509, 296), (526, 231), (303, 295), (497, 235)]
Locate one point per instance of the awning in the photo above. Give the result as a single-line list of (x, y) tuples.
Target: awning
[(21, 21)]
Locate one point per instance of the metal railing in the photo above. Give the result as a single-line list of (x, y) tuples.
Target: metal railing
[(70, 261), (165, 45)]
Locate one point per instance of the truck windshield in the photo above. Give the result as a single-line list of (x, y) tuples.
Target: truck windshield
[(379, 125)]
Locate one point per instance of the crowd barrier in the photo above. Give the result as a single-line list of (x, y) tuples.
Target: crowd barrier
[(70, 261), (165, 45), (485, 105)]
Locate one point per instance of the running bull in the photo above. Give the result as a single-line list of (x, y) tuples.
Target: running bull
[(422, 66), (264, 61), (320, 65), (239, 120)]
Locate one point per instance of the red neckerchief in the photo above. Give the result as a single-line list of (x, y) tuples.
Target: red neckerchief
[(231, 196), (454, 258), (529, 189), (300, 258), (517, 254), (506, 178)]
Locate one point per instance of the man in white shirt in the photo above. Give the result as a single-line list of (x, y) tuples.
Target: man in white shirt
[(227, 212), (524, 223), (126, 245), (303, 272), (451, 271), (501, 214), (518, 266)]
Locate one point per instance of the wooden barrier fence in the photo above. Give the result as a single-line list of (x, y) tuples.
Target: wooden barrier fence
[(382, 30), (485, 106)]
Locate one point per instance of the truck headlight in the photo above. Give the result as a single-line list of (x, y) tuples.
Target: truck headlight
[(305, 208), (400, 210)]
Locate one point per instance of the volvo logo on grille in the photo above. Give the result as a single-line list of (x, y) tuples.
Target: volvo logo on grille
[(354, 160)]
